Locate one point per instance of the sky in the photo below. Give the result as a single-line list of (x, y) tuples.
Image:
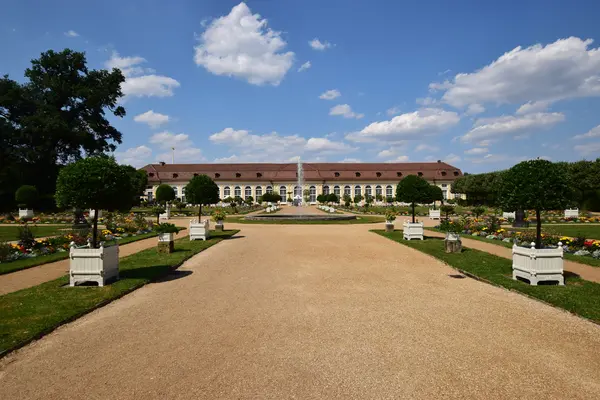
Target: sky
[(479, 85)]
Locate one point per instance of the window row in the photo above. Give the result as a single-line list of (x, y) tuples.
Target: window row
[(237, 191)]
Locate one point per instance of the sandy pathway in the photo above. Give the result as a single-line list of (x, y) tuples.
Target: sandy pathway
[(313, 312), (37, 275)]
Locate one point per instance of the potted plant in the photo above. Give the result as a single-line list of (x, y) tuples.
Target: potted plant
[(390, 217), (435, 195), (453, 229), (202, 190), (164, 195), (413, 189), (537, 185), (166, 233), (26, 196), (94, 183), (219, 216)]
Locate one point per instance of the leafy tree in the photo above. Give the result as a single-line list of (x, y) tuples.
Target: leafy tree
[(332, 198), (97, 183), (202, 190), (26, 196), (584, 179), (368, 200), (139, 181), (379, 197), (271, 197), (478, 211), (480, 189), (164, 193), (249, 200), (389, 199), (53, 118), (436, 195), (413, 189), (322, 198), (535, 185), (358, 198), (447, 210), (347, 199)]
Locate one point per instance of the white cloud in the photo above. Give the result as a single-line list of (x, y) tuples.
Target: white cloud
[(71, 33), (326, 146), (136, 156), (166, 140), (444, 72), (305, 66), (533, 107), (413, 125), (350, 160), (510, 125), (592, 149), (475, 109), (426, 101), (485, 143), (182, 155), (565, 69), (240, 44), (345, 110), (330, 94), (398, 159), (393, 111), (592, 133), (153, 119), (492, 158), (451, 158), (318, 45), (477, 150), (427, 147), (139, 81)]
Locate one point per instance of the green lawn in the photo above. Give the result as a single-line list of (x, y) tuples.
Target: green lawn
[(31, 313), (594, 262), (587, 231), (11, 233), (6, 268), (577, 296), (366, 219)]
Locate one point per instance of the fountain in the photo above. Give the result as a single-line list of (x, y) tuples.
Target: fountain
[(300, 182)]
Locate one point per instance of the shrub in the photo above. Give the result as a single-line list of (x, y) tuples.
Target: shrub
[(452, 226), (26, 196), (164, 193), (357, 199), (25, 236), (271, 197), (6, 252), (390, 216), (332, 198), (166, 228), (447, 210), (219, 215), (157, 211), (478, 211)]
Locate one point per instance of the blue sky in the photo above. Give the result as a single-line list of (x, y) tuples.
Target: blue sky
[(481, 85)]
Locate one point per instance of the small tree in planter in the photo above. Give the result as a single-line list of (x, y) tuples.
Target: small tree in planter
[(413, 189), (368, 201), (390, 217), (219, 216), (166, 233), (332, 198), (202, 190), (249, 201), (357, 199), (436, 195), (94, 183), (453, 230), (164, 195), (478, 211), (26, 197), (447, 210), (158, 210), (536, 185)]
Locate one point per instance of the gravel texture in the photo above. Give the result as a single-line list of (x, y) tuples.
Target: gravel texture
[(313, 312)]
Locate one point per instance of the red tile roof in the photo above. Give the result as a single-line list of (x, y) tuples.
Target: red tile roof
[(312, 171)]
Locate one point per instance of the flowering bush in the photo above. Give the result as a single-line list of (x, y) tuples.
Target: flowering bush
[(448, 225), (390, 216), (219, 215)]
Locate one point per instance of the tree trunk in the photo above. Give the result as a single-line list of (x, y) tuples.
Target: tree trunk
[(95, 229), (413, 212), (538, 230), (200, 213), (158, 218)]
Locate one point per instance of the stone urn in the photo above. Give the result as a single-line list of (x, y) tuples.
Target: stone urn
[(452, 243), (219, 225)]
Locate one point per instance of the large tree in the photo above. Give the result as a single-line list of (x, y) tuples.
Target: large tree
[(414, 189), (97, 183), (57, 116), (201, 190), (535, 185)]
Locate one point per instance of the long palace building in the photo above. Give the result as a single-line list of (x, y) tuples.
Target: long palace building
[(254, 179)]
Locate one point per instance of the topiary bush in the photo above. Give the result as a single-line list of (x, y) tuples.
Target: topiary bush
[(164, 193), (26, 196)]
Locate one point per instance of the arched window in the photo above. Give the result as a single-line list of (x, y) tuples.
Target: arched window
[(247, 192), (297, 191), (175, 190), (227, 192), (357, 191), (258, 191), (378, 190), (389, 191), (313, 194), (347, 190), (368, 191), (336, 190), (283, 193), (237, 191), (325, 189), (269, 189)]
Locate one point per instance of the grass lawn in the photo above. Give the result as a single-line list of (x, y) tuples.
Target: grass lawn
[(587, 231), (12, 266), (366, 219), (594, 262), (578, 296), (11, 233), (31, 313)]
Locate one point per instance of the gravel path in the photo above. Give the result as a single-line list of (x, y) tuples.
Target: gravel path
[(46, 272), (312, 312)]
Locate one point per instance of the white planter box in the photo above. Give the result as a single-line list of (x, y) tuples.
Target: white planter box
[(434, 214), (199, 230), (537, 265), (412, 230), (166, 237), (574, 213), (93, 212), (25, 213), (507, 215), (93, 265)]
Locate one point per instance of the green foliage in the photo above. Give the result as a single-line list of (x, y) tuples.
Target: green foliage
[(448, 225), (166, 228), (390, 216), (25, 236), (347, 200), (379, 197), (139, 181), (584, 180), (480, 188), (249, 200), (447, 210), (165, 193), (202, 190), (413, 189), (436, 194), (357, 199), (332, 198), (478, 210), (271, 197), (6, 251), (55, 117), (219, 215), (26, 196)]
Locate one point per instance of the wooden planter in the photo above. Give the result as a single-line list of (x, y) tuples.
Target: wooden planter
[(93, 265), (412, 230), (434, 214), (574, 213), (199, 230), (537, 265), (25, 213), (507, 215), (93, 212)]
